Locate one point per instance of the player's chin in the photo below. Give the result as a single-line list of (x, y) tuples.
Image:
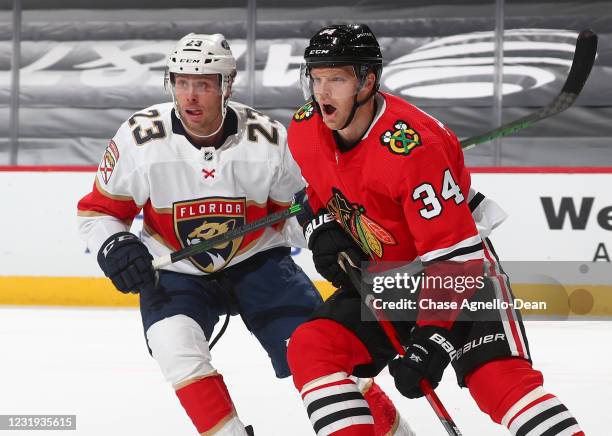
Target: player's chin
[(334, 121), (192, 116), (194, 126)]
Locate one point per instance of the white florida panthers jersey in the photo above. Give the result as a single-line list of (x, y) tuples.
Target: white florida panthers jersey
[(190, 194)]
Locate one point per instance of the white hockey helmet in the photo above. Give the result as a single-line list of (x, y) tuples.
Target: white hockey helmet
[(202, 54)]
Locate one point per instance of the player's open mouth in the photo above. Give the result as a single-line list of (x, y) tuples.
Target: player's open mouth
[(328, 109), (193, 112)]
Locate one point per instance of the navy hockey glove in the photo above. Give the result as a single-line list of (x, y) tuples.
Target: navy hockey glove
[(326, 239), (127, 262), (426, 357)]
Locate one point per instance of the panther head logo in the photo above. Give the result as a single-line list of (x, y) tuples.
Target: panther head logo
[(208, 230)]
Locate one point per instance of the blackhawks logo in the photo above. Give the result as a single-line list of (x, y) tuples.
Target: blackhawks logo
[(198, 220), (368, 234), (401, 140), (304, 112)]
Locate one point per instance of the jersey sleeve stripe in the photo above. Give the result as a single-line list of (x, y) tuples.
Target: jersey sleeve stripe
[(468, 249), (97, 204), (162, 210), (462, 254), (107, 194), (475, 201), (279, 204), (90, 213), (151, 232), (160, 226)]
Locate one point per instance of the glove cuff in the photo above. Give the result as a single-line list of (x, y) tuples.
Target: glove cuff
[(112, 240), (312, 228), (437, 338)]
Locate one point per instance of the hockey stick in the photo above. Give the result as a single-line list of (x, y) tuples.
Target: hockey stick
[(201, 247), (584, 57), (354, 274)]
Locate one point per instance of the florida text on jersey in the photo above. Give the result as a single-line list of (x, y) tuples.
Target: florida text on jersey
[(187, 193)]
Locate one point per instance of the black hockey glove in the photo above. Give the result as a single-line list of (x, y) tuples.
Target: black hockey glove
[(127, 262), (426, 357), (326, 239)]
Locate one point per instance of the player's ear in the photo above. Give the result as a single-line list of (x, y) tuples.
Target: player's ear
[(370, 81)]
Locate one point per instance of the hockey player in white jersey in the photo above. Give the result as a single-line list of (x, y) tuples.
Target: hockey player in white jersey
[(198, 167)]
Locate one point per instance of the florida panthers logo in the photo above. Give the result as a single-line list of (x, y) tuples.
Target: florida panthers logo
[(198, 220), (304, 112), (109, 160), (370, 236), (402, 140)]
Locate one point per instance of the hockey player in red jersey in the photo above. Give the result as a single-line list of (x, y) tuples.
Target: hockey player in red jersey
[(198, 167), (387, 183)]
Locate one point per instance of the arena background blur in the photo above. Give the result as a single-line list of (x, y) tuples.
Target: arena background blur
[(87, 65)]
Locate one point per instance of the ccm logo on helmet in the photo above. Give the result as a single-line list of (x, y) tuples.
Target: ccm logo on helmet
[(319, 51), (189, 61)]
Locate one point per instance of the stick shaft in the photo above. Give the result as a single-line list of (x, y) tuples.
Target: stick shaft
[(582, 63), (355, 275)]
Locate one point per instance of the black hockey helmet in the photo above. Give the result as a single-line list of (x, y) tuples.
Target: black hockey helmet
[(345, 44), (340, 45)]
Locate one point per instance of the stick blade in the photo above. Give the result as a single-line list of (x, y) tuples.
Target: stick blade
[(584, 57)]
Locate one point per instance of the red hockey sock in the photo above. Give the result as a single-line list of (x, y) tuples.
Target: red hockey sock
[(517, 400), (383, 410), (321, 354), (207, 402)]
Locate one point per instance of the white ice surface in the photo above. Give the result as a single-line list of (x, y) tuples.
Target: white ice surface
[(94, 363)]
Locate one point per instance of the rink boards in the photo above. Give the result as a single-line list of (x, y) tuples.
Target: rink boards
[(559, 223)]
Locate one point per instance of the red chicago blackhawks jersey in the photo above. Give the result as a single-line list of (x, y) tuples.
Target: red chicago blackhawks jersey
[(189, 194), (402, 192)]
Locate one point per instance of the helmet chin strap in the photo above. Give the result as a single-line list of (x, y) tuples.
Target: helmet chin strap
[(356, 105)]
